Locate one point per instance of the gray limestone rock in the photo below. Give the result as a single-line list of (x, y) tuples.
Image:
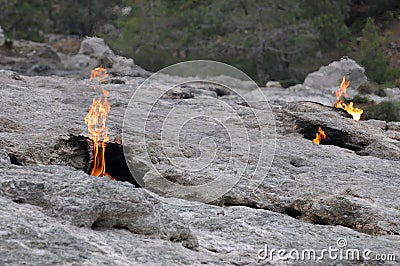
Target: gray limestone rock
[(2, 37), (309, 197), (96, 48), (4, 159), (331, 75), (94, 52)]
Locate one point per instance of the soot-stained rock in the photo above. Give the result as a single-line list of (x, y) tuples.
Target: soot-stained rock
[(77, 151)]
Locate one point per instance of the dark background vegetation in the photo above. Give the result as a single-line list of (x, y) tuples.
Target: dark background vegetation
[(268, 39)]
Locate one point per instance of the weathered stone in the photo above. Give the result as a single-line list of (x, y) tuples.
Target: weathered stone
[(68, 45), (273, 84), (94, 52), (40, 206), (376, 123), (330, 76), (278, 96), (30, 58), (311, 195), (10, 74), (392, 94), (2, 37), (393, 134), (81, 61), (96, 48), (4, 159), (393, 126), (122, 66), (389, 149)]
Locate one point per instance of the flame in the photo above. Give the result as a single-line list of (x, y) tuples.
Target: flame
[(320, 135), (343, 88), (99, 73), (96, 122), (349, 108)]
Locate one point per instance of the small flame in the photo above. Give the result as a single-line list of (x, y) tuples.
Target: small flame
[(96, 122), (349, 108), (320, 135), (343, 88), (99, 73)]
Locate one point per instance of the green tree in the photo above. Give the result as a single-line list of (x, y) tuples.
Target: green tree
[(372, 54), (328, 16), (84, 17), (25, 19), (333, 31), (263, 38), (22, 19)]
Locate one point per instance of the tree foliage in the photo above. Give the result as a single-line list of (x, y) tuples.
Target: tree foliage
[(372, 54), (268, 39), (83, 17), (31, 19), (329, 16), (25, 19), (262, 37)]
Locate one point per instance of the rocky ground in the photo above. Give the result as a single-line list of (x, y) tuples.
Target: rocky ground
[(307, 196)]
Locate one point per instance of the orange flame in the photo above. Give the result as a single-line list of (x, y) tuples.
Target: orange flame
[(99, 73), (96, 122), (343, 88), (320, 135), (349, 108)]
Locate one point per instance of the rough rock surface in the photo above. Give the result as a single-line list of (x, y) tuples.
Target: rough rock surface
[(311, 195), (64, 44), (391, 94), (57, 215), (31, 58), (329, 76), (2, 37), (94, 52), (320, 86)]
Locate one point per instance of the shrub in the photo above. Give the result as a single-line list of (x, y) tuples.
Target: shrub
[(333, 31), (358, 99), (387, 110), (371, 88), (372, 55)]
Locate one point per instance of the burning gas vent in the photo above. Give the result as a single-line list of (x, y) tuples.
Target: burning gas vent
[(334, 136), (95, 155), (96, 121), (319, 136), (328, 136), (348, 107), (77, 151)]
